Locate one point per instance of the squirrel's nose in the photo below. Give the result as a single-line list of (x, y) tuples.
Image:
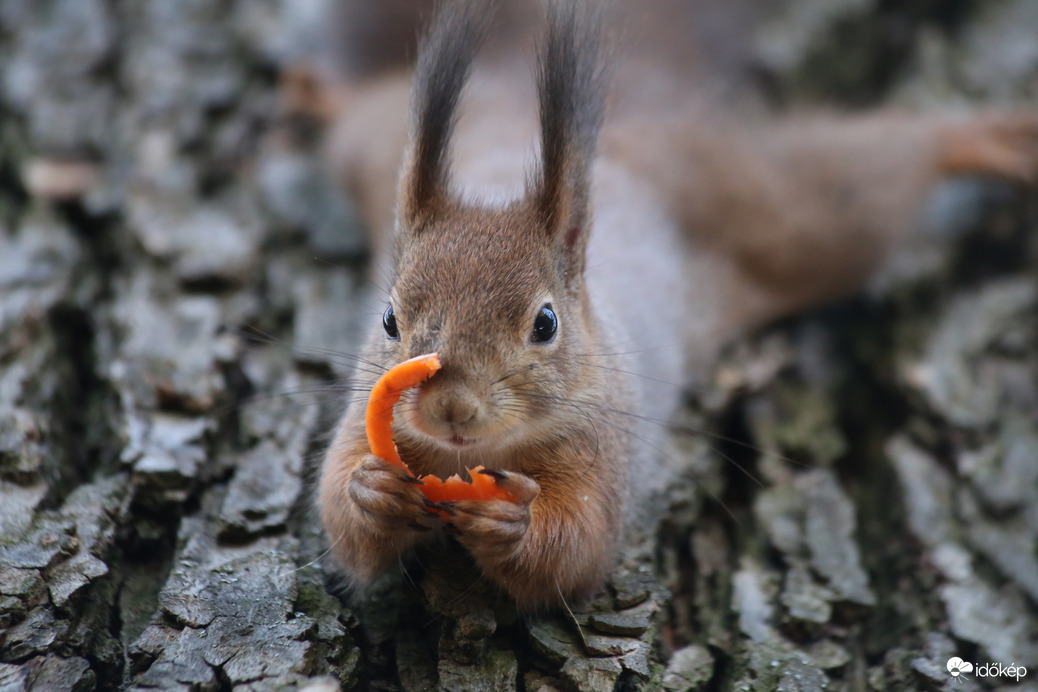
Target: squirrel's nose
[(458, 408)]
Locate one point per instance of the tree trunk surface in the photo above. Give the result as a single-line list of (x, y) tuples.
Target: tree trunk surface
[(180, 290)]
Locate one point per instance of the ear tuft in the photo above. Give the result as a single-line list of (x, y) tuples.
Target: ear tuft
[(571, 86), (444, 61)]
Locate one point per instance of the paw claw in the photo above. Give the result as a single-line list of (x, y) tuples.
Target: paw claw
[(434, 507), (523, 488)]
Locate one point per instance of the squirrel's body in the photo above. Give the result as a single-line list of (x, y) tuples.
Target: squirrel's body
[(685, 229)]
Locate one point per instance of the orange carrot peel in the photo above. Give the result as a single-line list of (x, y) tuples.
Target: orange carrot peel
[(378, 418), (378, 422), (454, 489)]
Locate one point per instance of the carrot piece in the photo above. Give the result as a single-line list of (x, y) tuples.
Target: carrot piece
[(454, 489), (378, 417), (378, 423)]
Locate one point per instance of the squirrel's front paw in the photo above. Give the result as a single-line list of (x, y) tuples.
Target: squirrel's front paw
[(387, 497), (494, 529)]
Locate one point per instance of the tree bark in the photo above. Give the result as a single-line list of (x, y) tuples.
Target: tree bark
[(180, 292)]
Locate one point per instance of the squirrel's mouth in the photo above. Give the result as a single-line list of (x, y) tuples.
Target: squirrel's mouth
[(444, 435), (459, 441)]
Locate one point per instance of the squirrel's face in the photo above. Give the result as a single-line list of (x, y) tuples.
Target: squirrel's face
[(486, 291)]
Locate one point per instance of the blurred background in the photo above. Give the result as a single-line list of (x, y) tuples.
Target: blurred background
[(181, 286)]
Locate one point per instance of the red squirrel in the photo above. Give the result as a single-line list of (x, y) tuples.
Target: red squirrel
[(559, 288)]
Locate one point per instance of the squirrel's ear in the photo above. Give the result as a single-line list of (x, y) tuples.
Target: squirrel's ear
[(571, 90), (444, 60)]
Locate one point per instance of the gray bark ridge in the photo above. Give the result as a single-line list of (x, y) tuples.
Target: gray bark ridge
[(861, 498)]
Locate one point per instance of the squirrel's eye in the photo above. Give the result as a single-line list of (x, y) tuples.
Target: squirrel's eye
[(544, 326), (389, 323)]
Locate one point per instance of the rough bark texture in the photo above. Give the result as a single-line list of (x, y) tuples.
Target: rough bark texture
[(179, 290)]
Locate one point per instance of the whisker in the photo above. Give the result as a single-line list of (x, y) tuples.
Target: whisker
[(324, 553), (681, 387), (574, 405), (257, 335), (580, 630), (668, 425)]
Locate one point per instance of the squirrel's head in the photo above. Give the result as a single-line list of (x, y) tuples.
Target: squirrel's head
[(498, 292)]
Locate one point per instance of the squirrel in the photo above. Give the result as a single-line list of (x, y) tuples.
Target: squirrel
[(650, 231)]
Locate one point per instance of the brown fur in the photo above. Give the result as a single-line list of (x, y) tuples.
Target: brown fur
[(686, 229), (469, 282)]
